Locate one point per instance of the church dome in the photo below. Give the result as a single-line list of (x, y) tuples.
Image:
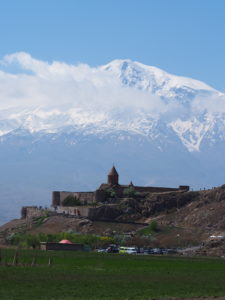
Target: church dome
[(113, 172)]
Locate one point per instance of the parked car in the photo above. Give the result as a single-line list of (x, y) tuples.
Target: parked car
[(123, 250), (128, 250), (103, 250), (165, 251), (112, 249), (132, 250), (157, 251), (171, 251), (140, 250)]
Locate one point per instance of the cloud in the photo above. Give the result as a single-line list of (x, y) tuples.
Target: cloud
[(59, 85), (43, 95), (213, 105)]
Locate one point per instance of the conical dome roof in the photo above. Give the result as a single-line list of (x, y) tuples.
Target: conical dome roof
[(113, 172)]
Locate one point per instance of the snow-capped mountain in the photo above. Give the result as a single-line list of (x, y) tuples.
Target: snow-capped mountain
[(157, 81), (120, 96), (62, 126)]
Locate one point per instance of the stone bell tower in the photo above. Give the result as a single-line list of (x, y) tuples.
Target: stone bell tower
[(113, 177)]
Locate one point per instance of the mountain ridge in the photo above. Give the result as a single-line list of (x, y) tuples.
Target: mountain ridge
[(162, 78)]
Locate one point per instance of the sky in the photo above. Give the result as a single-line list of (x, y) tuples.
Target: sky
[(183, 37)]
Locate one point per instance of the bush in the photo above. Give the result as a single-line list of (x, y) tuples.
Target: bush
[(153, 226), (110, 193), (39, 220), (130, 192), (150, 229), (71, 201)]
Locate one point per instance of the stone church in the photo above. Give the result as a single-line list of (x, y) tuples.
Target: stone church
[(112, 186)]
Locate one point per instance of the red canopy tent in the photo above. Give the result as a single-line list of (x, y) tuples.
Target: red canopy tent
[(65, 242)]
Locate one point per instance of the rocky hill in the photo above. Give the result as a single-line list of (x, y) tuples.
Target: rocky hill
[(183, 219)]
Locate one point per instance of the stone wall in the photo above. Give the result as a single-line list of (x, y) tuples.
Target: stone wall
[(84, 197), (101, 193), (154, 189), (31, 212), (104, 213), (55, 198), (81, 211)]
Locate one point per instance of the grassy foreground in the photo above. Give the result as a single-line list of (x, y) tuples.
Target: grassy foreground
[(73, 275)]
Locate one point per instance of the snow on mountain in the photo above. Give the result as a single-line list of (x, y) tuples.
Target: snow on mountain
[(155, 80)]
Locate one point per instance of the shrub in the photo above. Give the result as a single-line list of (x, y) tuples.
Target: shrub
[(150, 229), (39, 220), (153, 226), (130, 191), (110, 193)]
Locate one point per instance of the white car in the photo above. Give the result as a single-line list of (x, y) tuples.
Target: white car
[(128, 250), (131, 250)]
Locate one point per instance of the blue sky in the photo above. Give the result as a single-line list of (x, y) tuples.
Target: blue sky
[(183, 37)]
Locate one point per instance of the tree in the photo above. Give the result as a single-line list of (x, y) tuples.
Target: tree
[(130, 191), (71, 201), (110, 193)]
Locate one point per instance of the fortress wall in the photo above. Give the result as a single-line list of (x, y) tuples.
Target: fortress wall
[(184, 187), (84, 197), (31, 212), (63, 196), (55, 198), (100, 195), (155, 189), (82, 211), (104, 213)]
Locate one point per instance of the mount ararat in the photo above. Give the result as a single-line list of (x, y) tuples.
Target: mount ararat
[(62, 126)]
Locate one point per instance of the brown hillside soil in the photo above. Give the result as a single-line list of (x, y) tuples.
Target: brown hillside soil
[(56, 224)]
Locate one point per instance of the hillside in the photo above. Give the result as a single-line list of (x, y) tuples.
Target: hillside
[(184, 219)]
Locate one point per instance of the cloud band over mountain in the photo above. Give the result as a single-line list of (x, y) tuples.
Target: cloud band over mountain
[(123, 95)]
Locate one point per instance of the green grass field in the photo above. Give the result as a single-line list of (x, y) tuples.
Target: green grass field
[(89, 276)]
